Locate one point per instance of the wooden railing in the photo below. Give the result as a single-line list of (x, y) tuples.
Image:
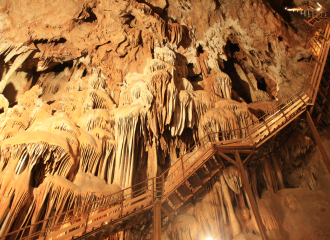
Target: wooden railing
[(323, 14), (140, 197)]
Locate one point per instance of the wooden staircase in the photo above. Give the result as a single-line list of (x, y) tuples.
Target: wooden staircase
[(184, 180), (314, 17)]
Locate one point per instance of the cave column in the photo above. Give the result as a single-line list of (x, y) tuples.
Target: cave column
[(318, 140), (252, 200), (157, 220)]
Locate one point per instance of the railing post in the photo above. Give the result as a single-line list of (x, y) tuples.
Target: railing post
[(85, 230), (211, 138), (163, 187), (183, 171), (266, 125), (122, 203), (248, 132), (153, 190)]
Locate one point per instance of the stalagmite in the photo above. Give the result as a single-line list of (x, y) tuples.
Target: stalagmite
[(219, 83), (97, 96), (234, 224)]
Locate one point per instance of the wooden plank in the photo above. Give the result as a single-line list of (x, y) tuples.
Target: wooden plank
[(296, 108), (62, 230), (248, 158), (248, 190), (98, 222), (318, 140), (229, 149), (128, 202), (232, 141), (167, 213), (107, 211), (285, 124), (157, 220), (228, 158), (69, 235), (138, 205)]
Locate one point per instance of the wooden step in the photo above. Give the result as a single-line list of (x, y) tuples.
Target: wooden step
[(184, 190), (175, 199), (202, 173), (211, 165), (195, 181), (167, 207)]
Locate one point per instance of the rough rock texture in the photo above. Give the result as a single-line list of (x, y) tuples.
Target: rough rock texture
[(100, 95)]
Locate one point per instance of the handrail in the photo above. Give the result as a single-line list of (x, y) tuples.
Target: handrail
[(151, 185), (317, 16)]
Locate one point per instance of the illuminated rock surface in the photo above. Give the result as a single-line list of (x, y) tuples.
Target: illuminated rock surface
[(100, 95)]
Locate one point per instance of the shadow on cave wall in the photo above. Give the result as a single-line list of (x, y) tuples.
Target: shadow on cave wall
[(241, 87), (10, 93), (279, 7)]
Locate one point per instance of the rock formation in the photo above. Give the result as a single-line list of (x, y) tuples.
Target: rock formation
[(97, 96)]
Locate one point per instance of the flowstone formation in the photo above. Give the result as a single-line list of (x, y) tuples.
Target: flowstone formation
[(100, 95)]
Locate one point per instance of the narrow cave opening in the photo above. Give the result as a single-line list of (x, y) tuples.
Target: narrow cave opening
[(262, 85), (62, 40), (232, 47), (217, 4), (60, 67), (129, 19), (238, 85), (200, 49), (280, 38), (84, 73), (92, 17), (270, 49), (39, 174)]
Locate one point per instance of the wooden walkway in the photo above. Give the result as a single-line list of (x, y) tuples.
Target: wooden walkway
[(184, 178)]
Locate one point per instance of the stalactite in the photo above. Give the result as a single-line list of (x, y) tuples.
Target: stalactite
[(219, 83), (126, 121), (233, 178), (219, 120), (183, 115), (232, 219), (165, 54), (23, 55), (269, 175), (175, 32), (51, 83)]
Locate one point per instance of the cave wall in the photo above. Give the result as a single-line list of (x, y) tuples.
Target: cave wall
[(100, 95)]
